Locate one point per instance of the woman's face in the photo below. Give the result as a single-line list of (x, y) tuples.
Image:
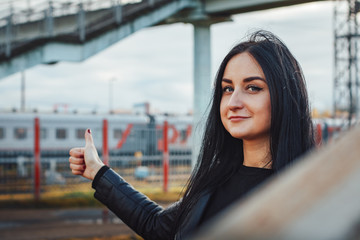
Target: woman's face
[(245, 106)]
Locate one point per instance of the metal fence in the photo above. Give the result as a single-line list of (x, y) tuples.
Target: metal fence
[(161, 165)]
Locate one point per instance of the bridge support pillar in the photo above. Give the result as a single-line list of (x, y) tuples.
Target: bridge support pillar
[(202, 83)]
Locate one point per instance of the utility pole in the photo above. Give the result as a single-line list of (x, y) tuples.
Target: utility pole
[(22, 105), (346, 69)]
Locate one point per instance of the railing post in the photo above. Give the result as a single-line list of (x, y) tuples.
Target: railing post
[(8, 33), (37, 159), (118, 12), (81, 22), (49, 20), (105, 147), (165, 156)]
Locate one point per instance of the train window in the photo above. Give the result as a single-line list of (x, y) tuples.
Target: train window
[(20, 133), (117, 134), (80, 133), (60, 133), (2, 133), (43, 133)]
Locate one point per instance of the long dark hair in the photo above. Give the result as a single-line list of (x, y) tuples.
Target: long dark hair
[(291, 132)]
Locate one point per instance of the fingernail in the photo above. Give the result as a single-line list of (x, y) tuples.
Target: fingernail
[(89, 131)]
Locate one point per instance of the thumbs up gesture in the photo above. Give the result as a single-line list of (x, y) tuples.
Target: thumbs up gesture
[(85, 161)]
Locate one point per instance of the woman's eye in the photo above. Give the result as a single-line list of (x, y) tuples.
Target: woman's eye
[(253, 88), (228, 89)]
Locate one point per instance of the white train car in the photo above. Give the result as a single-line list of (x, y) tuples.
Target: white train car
[(60, 132)]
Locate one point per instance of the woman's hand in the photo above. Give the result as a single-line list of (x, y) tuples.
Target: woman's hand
[(85, 161)]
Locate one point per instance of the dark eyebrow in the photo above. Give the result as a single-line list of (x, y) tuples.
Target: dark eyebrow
[(226, 80), (248, 79)]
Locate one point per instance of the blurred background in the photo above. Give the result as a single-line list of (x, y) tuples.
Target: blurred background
[(132, 71)]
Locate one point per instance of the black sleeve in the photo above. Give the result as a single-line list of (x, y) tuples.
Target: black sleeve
[(144, 216), (99, 174)]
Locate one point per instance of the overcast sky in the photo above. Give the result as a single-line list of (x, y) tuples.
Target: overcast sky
[(155, 64)]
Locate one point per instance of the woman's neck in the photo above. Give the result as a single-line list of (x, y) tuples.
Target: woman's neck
[(257, 153)]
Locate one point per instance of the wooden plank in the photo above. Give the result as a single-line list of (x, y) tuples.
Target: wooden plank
[(316, 198)]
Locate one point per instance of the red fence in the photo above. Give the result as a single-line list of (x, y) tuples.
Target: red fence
[(37, 159), (38, 173)]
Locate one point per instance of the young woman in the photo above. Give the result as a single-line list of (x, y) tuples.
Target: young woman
[(259, 123)]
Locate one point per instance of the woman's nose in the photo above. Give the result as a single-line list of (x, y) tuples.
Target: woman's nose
[(236, 101)]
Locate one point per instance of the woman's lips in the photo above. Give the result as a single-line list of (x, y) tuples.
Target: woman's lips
[(238, 118)]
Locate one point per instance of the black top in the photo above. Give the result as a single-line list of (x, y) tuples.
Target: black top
[(243, 181)]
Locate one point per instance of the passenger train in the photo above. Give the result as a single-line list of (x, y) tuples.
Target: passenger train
[(126, 134)]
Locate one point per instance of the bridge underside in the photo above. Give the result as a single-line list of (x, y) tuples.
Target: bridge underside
[(69, 47)]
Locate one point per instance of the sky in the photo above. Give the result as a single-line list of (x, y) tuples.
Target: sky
[(155, 65)]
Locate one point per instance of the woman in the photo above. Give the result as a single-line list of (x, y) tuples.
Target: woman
[(259, 123)]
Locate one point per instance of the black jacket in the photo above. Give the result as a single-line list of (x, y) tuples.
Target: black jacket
[(144, 216)]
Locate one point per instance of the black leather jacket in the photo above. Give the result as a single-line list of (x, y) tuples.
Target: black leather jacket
[(144, 216)]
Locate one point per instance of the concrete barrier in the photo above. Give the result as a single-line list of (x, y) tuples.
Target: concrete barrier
[(316, 198)]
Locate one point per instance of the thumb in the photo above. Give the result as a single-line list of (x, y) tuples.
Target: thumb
[(88, 138)]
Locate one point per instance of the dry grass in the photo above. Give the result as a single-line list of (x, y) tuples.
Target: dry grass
[(81, 195)]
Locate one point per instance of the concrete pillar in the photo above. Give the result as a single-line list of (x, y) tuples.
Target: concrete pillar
[(202, 83)]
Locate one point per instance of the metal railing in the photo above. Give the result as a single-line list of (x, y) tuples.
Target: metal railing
[(23, 11), (22, 23)]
